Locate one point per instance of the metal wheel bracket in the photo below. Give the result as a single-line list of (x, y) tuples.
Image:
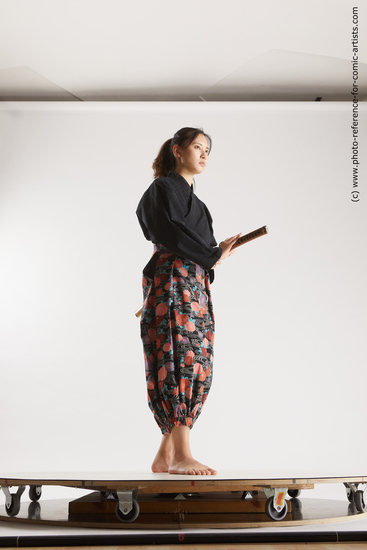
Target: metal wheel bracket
[(278, 495), (8, 495), (350, 487), (361, 487), (35, 492), (126, 500)]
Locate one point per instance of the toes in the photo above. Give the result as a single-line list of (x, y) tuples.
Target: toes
[(194, 469)]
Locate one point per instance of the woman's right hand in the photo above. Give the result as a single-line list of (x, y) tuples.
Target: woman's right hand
[(226, 247)]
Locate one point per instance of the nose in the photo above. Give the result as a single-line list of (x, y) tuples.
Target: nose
[(204, 154)]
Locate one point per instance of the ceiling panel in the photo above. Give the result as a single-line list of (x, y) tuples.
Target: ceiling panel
[(25, 84), (289, 76), (114, 50)]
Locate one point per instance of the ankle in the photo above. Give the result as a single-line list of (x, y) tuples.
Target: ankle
[(165, 454), (178, 456)]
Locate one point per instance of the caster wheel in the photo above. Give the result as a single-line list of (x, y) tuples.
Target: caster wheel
[(272, 513), (35, 492), (359, 501), (131, 516), (350, 495), (14, 507), (294, 493)]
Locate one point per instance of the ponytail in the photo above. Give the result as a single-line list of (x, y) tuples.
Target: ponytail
[(165, 160)]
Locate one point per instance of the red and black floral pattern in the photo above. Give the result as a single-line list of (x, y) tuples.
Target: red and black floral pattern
[(177, 330)]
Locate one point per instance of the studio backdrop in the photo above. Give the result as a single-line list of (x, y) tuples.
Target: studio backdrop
[(290, 307)]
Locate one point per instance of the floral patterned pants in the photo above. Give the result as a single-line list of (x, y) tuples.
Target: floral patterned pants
[(177, 330)]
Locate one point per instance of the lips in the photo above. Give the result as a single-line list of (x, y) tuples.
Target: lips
[(202, 163)]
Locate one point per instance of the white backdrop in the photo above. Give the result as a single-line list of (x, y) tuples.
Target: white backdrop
[(290, 307)]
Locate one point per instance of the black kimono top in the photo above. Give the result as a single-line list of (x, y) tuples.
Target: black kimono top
[(171, 214)]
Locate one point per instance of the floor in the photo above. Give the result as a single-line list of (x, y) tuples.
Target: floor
[(301, 546), (336, 533)]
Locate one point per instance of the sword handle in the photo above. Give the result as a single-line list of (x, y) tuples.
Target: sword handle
[(251, 236)]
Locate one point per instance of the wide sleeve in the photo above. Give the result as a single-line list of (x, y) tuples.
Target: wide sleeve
[(162, 218), (213, 242)]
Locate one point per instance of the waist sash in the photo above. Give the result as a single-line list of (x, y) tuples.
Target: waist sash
[(149, 269)]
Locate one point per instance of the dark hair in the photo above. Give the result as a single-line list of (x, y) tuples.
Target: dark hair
[(166, 160)]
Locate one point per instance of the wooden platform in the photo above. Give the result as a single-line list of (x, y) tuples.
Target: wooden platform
[(200, 511), (211, 508)]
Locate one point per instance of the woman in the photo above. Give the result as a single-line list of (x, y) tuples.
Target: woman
[(177, 322)]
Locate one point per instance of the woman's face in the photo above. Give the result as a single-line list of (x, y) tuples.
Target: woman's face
[(194, 158)]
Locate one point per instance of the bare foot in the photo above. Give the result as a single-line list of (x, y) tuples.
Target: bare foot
[(161, 463), (164, 455), (189, 466)]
